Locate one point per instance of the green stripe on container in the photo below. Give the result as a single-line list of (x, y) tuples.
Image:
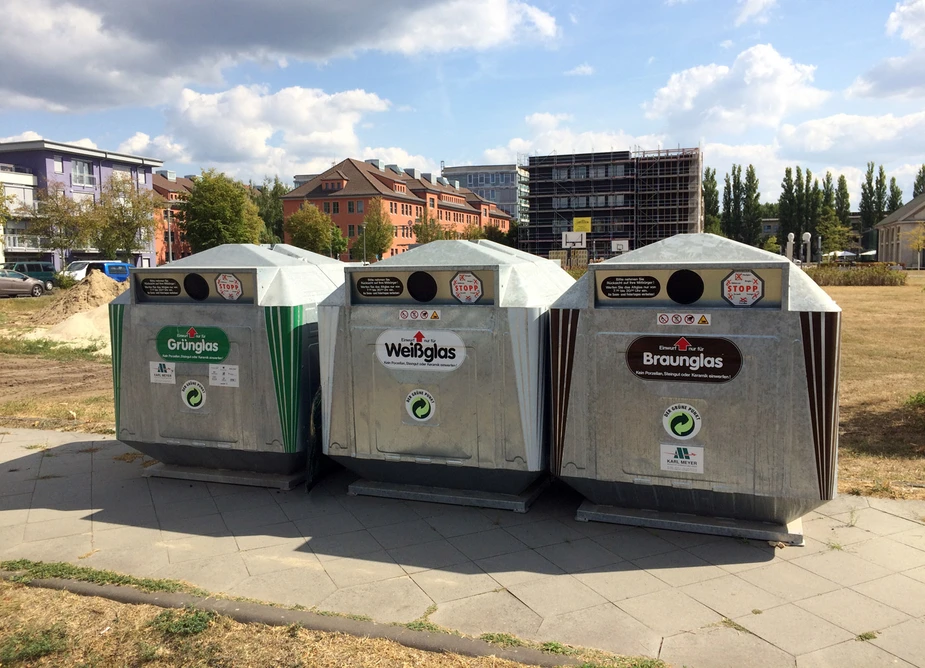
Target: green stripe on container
[(284, 335), (116, 317)]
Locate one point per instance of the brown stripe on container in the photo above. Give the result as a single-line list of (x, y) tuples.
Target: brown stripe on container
[(563, 329), (821, 337)]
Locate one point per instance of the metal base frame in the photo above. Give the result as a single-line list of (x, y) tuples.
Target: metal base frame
[(790, 534), (282, 481), (519, 503)]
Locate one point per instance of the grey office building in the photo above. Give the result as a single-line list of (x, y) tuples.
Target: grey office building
[(505, 185)]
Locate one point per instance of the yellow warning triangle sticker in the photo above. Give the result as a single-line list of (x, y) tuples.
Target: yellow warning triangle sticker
[(435, 316), (703, 320)]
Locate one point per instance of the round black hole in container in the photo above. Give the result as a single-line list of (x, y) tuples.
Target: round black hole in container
[(685, 286), (196, 287), (422, 286)]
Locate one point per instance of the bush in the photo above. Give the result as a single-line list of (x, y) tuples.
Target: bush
[(188, 622), (875, 274), (64, 281)]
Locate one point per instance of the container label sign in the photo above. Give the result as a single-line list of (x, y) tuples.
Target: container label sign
[(681, 421), (421, 405), (630, 287), (160, 287), (681, 458), (743, 288), (415, 314), (380, 286), (205, 345), (164, 373), (692, 319), (466, 287), (684, 359), (193, 394), (223, 375), (229, 287), (433, 350)]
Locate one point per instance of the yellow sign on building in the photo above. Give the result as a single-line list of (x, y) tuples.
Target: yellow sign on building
[(581, 225)]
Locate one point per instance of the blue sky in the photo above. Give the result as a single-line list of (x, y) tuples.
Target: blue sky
[(291, 88)]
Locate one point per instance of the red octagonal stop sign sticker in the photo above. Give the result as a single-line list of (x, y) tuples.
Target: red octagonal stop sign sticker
[(743, 288)]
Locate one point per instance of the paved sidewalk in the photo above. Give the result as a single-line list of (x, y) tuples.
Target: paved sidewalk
[(691, 600)]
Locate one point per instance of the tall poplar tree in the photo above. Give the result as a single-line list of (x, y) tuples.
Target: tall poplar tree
[(867, 207), (786, 207), (751, 209), (895, 200), (843, 202), (918, 188), (880, 195)]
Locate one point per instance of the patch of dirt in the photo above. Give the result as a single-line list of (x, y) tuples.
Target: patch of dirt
[(95, 290), (36, 378)]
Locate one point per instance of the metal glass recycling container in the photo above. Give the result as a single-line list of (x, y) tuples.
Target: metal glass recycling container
[(697, 375), (215, 358), (433, 367)]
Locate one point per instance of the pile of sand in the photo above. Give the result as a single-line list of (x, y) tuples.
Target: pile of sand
[(95, 290)]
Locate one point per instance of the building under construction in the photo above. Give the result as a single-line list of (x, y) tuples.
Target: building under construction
[(641, 196)]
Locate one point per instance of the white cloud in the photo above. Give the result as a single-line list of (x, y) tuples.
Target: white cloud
[(108, 53), (849, 137), (28, 135), (583, 70), (394, 155), (86, 142), (573, 18), (726, 44), (754, 10), (760, 89), (548, 135), (650, 60), (900, 76)]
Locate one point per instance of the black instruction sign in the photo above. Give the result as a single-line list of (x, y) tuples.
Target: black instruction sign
[(630, 287), (160, 287), (691, 359), (380, 286)]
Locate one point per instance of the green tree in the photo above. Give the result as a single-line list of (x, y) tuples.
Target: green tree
[(123, 219), (494, 233), (216, 212), (812, 204), (843, 202), (376, 233), (6, 202), (61, 223), (918, 188), (751, 209), (770, 209), (835, 236), (868, 207), (726, 222), (799, 205), (427, 229), (895, 200), (770, 244), (711, 212), (880, 195), (733, 202), (828, 192), (473, 232), (310, 228), (269, 201), (786, 206), (339, 242)]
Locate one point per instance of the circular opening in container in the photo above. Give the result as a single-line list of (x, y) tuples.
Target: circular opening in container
[(685, 286), (422, 286), (196, 287)]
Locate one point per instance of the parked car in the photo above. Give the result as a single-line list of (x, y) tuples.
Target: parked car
[(14, 284), (117, 271), (44, 271)]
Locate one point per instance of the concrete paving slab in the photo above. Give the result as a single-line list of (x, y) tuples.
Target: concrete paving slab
[(852, 611), (548, 532), (788, 581), (69, 526), (843, 503), (301, 505), (67, 548), (123, 492), (396, 600), (126, 537), (196, 507), (910, 509), (634, 543), (617, 582), (851, 654), (830, 530), (913, 538), (686, 539), (288, 555), (338, 546), (13, 515), (453, 522), (306, 585), (241, 522), (578, 555), (203, 525), (376, 512), (889, 554), (484, 544), (242, 500), (517, 567), (841, 567), (734, 555), (219, 573), (266, 536), (404, 534), (424, 556), (116, 517), (669, 612), (144, 562), (372, 567), (454, 582), (316, 526), (11, 536), (722, 647), (18, 487), (167, 490), (191, 548), (613, 630), (794, 629), (916, 574), (877, 521), (906, 640), (679, 568), (897, 591), (491, 612), (556, 595), (731, 596)]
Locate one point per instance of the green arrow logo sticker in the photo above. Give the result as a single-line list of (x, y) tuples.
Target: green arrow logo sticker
[(193, 394), (420, 405), (681, 421)]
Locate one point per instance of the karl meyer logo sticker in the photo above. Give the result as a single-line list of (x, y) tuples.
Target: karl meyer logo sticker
[(431, 350), (681, 421), (193, 394), (682, 458), (420, 405)]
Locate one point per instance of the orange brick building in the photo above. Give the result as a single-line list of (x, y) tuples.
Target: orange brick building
[(169, 242), (344, 192)]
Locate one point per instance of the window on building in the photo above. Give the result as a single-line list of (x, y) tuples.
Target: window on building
[(82, 173), (59, 164), (327, 207), (350, 206), (469, 179), (491, 195), (481, 179), (394, 230), (142, 177), (351, 229), (359, 206), (616, 170), (493, 177), (335, 207), (432, 203)]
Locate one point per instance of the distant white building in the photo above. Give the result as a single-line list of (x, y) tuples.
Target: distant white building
[(895, 234)]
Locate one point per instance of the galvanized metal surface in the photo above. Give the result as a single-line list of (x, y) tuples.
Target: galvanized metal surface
[(518, 503), (279, 481)]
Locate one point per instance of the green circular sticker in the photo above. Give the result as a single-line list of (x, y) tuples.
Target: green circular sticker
[(681, 421), (193, 394), (420, 405)]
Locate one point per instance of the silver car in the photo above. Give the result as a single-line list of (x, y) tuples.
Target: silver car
[(13, 284)]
